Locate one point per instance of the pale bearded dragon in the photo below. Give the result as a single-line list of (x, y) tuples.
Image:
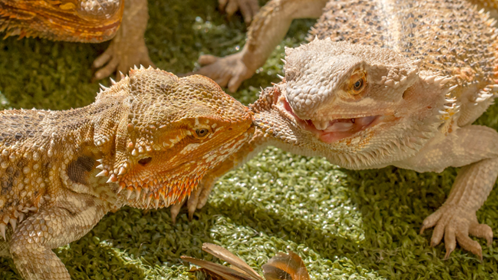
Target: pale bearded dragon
[(274, 19), (145, 142), (391, 83)]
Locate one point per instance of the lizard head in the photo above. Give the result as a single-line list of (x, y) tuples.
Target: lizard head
[(352, 97), (174, 132), (342, 89)]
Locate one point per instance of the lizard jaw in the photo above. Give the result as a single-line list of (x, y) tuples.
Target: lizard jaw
[(333, 130)]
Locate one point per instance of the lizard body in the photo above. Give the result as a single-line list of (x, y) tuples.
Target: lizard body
[(390, 83), (145, 142), (88, 21), (349, 18), (95, 21)]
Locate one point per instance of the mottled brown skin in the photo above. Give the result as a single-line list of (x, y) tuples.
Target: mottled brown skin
[(145, 142), (384, 83), (90, 21)]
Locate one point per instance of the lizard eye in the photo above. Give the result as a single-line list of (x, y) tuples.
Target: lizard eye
[(358, 82), (201, 132), (358, 85)]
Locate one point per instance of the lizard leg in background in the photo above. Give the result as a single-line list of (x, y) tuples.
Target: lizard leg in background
[(67, 220), (267, 30), (476, 149), (128, 46), (248, 8)]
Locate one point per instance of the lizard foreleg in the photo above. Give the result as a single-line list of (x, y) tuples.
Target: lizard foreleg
[(31, 246), (476, 149)]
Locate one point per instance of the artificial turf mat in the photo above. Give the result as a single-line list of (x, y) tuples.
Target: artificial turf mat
[(344, 224)]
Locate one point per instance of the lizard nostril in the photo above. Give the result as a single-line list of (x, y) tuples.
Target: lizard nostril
[(144, 161)]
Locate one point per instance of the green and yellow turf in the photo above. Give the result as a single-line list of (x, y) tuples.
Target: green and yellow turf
[(344, 224)]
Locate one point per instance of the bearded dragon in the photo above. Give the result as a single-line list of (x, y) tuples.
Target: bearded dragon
[(88, 21), (391, 83), (145, 142), (271, 24)]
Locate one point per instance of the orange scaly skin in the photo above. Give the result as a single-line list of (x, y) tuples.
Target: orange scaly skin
[(87, 21), (61, 20), (383, 82), (145, 142)]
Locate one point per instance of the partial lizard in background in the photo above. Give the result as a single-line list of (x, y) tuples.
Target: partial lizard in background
[(390, 83), (145, 142), (95, 21), (87, 21), (272, 23)]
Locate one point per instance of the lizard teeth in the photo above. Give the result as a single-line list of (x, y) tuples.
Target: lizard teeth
[(321, 125), (340, 126)]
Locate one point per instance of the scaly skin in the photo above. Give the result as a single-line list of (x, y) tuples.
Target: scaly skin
[(145, 142), (88, 21), (272, 23), (398, 85), (248, 8)]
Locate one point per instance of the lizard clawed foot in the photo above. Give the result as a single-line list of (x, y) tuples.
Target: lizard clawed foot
[(197, 200), (248, 8), (456, 223), (120, 56), (228, 71)]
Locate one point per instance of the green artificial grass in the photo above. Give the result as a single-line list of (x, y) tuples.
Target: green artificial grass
[(344, 224)]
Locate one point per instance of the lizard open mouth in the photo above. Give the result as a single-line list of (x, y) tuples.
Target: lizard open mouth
[(329, 131)]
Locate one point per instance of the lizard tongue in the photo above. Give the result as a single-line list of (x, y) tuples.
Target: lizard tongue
[(342, 128), (330, 131)]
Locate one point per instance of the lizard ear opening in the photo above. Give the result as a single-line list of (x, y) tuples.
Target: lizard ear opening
[(145, 161)]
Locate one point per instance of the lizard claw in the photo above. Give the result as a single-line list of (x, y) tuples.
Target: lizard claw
[(248, 8), (175, 209), (456, 224), (197, 200), (228, 71), (120, 56), (192, 202)]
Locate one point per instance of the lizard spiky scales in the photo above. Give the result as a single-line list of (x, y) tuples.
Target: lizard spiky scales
[(386, 83), (78, 21), (145, 142), (88, 21)]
